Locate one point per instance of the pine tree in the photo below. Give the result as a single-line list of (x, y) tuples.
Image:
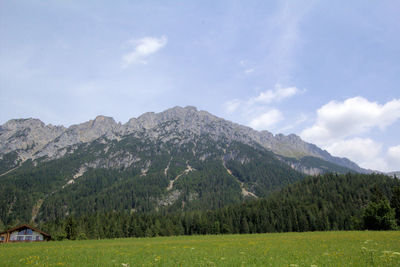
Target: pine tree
[(395, 203), (71, 228), (244, 229)]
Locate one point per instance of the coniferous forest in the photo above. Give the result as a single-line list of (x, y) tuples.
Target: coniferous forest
[(321, 203)]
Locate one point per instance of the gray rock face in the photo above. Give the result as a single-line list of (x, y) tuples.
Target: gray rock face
[(26, 136), (81, 133), (33, 139)]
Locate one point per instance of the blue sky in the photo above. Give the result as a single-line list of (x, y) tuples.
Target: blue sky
[(328, 71)]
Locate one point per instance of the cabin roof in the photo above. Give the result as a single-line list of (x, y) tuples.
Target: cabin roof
[(25, 226)]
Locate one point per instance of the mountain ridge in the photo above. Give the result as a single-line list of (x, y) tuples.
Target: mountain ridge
[(33, 139)]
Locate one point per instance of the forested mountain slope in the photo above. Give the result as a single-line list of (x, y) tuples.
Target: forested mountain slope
[(325, 202), (203, 174), (180, 159)]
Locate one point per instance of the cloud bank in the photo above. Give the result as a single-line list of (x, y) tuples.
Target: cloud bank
[(339, 125), (337, 120)]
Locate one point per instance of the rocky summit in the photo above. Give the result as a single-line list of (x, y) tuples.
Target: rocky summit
[(32, 139)]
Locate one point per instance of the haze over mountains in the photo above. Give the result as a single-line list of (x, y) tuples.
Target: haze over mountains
[(179, 159)]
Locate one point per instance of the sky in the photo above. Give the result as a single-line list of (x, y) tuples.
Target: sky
[(328, 71)]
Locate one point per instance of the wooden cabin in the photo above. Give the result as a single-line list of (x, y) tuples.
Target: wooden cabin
[(23, 233)]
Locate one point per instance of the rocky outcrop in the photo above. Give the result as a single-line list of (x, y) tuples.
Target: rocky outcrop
[(81, 133), (27, 136)]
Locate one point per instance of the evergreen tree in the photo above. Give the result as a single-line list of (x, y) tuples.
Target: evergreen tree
[(71, 228), (378, 215), (395, 203), (244, 226)]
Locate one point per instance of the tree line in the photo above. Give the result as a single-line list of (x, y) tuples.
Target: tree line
[(321, 203)]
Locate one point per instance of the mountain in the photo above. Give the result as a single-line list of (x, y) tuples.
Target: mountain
[(32, 139), (179, 159)]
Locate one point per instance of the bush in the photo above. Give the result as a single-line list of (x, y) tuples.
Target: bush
[(60, 236), (379, 216), (82, 236)]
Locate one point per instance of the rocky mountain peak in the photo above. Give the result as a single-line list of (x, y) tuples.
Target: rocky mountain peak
[(16, 124), (81, 133), (185, 117), (27, 135), (183, 123), (294, 137), (104, 120)]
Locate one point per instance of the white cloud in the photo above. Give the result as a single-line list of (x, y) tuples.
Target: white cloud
[(338, 120), (142, 48), (367, 153), (257, 110), (393, 155), (266, 120), (248, 71), (338, 127), (364, 151), (277, 94)]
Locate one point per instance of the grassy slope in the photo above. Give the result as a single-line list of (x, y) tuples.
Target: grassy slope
[(287, 249)]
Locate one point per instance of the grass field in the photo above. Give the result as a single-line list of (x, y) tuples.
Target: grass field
[(283, 249)]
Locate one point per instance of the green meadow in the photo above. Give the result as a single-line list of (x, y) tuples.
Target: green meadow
[(367, 248)]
